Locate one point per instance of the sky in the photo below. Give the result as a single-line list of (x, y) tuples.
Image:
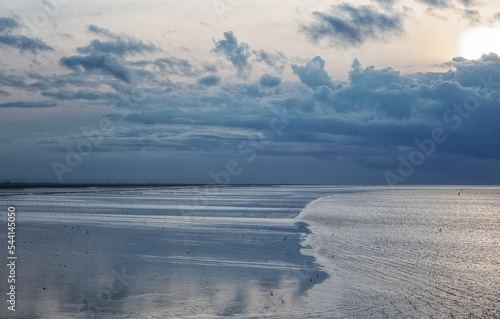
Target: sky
[(387, 92)]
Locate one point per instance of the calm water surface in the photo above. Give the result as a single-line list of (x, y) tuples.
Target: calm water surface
[(191, 252), (416, 252)]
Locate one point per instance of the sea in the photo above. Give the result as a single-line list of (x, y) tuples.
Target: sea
[(251, 251)]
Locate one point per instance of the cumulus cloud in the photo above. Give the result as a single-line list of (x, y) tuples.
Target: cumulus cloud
[(173, 65), (209, 80), (101, 31), (19, 42), (237, 53), (24, 44), (7, 24), (268, 80), (366, 120), (313, 74), (469, 72), (349, 25), (109, 57), (14, 80), (118, 47), (275, 60), (103, 63), (116, 44)]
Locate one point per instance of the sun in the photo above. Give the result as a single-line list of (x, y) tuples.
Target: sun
[(479, 41)]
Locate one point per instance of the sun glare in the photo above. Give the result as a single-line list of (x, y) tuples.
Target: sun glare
[(479, 41)]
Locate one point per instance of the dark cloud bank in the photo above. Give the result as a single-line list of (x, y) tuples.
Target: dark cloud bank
[(349, 25), (379, 126), (9, 38)]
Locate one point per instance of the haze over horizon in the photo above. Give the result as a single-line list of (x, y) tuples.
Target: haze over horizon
[(371, 92)]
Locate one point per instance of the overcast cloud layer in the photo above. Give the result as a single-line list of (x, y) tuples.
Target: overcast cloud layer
[(118, 108)]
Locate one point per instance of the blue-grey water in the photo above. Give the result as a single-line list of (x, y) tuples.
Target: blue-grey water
[(165, 252), (255, 252), (414, 252)]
